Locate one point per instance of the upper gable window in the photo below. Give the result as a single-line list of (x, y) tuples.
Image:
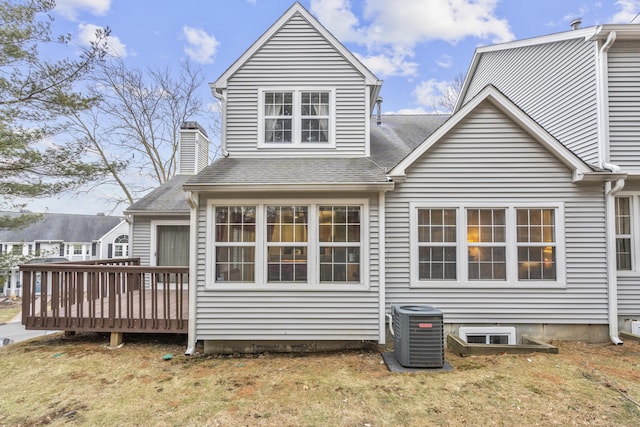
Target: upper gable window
[(300, 117)]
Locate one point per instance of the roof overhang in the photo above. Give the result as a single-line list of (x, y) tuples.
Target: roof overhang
[(598, 177), (507, 107), (157, 213), (291, 187)]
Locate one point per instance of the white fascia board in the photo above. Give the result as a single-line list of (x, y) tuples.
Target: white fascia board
[(265, 188), (506, 106), (157, 213), (370, 78)]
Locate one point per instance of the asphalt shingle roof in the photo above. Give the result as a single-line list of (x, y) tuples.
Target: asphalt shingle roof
[(61, 227), (168, 197), (391, 142)]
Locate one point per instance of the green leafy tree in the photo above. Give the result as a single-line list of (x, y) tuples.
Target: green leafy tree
[(36, 94)]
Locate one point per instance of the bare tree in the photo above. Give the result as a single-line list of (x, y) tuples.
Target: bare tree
[(135, 123), (450, 96)]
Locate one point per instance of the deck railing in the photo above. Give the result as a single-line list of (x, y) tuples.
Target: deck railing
[(105, 296)]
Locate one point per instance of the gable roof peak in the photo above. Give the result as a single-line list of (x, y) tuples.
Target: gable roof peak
[(295, 9)]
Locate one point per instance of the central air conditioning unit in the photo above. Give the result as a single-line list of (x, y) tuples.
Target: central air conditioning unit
[(418, 333)]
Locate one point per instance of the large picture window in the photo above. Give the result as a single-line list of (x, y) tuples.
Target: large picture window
[(502, 244), (296, 117), (270, 244)]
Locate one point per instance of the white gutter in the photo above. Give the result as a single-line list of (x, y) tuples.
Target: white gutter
[(382, 248), (192, 200), (222, 97), (610, 189)]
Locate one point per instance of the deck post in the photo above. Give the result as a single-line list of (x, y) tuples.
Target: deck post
[(116, 339)]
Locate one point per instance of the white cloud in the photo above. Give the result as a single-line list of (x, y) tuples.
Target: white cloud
[(629, 10), (71, 8), (393, 29), (337, 16), (445, 61), (114, 46), (428, 93), (384, 66), (201, 47)]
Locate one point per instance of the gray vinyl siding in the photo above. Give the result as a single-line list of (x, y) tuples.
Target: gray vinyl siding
[(188, 154), (287, 315), (297, 56), (141, 239), (624, 105), (555, 83), (629, 294), (488, 158)]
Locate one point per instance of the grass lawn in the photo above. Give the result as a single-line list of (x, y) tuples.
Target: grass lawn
[(9, 309), (77, 380)]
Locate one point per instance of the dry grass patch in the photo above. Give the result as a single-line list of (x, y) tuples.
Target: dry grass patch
[(58, 380), (9, 309)]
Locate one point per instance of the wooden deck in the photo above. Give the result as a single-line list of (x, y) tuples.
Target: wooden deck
[(105, 298)]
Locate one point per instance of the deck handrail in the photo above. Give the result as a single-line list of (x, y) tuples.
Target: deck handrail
[(100, 296)]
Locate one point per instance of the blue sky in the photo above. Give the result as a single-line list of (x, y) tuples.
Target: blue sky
[(417, 47)]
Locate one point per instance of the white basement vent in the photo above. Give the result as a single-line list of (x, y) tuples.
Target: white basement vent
[(488, 334), (635, 327)]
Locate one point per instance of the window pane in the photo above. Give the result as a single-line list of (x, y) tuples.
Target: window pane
[(537, 263), (623, 253), (236, 224), (339, 224), (287, 264), (535, 225), (623, 215), (436, 225), (287, 223), (487, 263), (235, 264), (278, 130), (340, 264), (437, 263), (486, 225)]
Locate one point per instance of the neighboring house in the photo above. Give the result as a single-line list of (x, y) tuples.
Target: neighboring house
[(319, 218), (66, 237)]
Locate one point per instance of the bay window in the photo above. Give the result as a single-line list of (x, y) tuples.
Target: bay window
[(291, 244), (484, 244), (302, 117)]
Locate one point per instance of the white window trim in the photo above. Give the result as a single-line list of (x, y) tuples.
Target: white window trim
[(313, 266), (511, 281), (296, 118), (510, 331), (634, 207), (153, 256)]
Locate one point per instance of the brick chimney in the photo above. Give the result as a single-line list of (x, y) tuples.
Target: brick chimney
[(193, 149)]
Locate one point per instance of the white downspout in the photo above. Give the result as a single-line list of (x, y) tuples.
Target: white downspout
[(192, 200), (222, 97), (610, 189), (382, 333)]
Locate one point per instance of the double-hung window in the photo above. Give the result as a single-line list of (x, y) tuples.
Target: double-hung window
[(485, 244), (287, 239), (235, 236), (270, 244), (299, 117), (624, 238)]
